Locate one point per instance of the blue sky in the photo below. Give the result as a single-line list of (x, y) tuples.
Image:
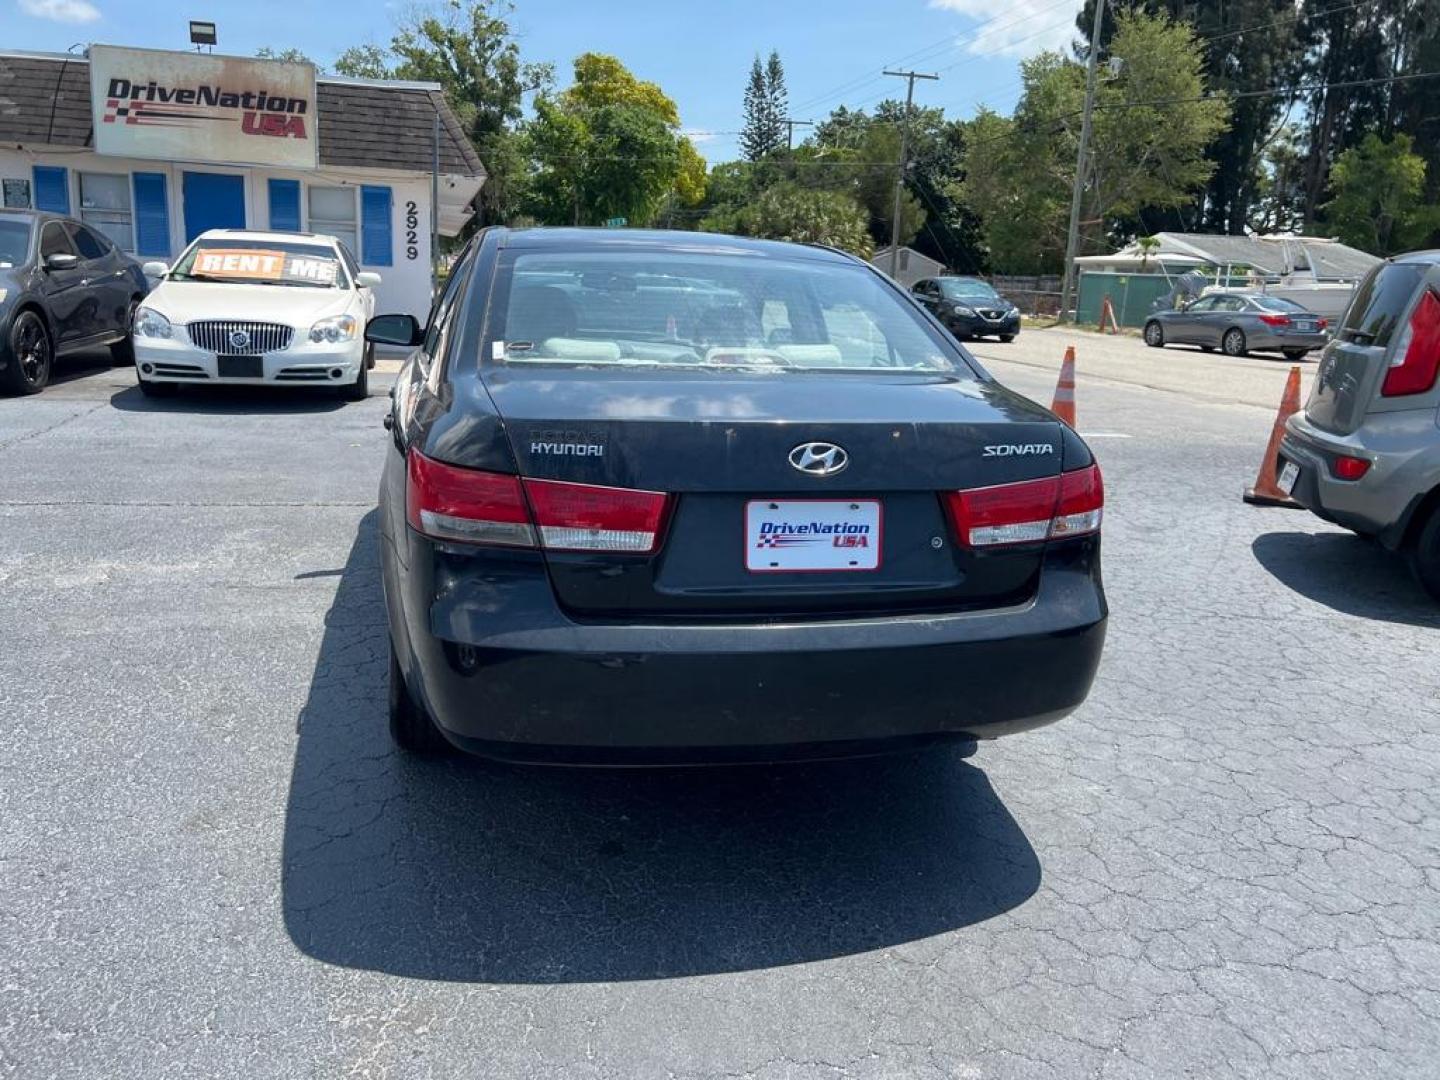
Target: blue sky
[(700, 53)]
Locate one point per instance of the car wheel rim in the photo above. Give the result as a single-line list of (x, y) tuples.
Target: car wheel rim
[(1152, 335), (1232, 343), (32, 349)]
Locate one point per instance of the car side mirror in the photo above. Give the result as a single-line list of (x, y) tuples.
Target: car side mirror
[(155, 269), (402, 330), (60, 262), (367, 279)]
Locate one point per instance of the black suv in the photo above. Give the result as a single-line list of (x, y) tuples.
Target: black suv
[(968, 307), (64, 287)]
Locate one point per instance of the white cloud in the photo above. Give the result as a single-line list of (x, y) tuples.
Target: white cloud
[(66, 11), (1023, 28), (698, 135)]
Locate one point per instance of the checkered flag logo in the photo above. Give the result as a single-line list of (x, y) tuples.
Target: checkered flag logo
[(116, 112)]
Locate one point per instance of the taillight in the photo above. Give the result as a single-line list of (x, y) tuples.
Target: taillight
[(1417, 352), (583, 517), (1275, 320), (479, 507), (476, 507), (1350, 468), (1030, 511), (1322, 324)]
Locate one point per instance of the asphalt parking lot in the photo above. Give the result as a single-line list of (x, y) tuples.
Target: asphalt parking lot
[(213, 863)]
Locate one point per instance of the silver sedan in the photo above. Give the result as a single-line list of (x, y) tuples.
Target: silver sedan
[(1239, 323)]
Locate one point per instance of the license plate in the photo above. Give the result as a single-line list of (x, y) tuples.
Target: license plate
[(240, 367), (1306, 327), (810, 535), (1288, 475)]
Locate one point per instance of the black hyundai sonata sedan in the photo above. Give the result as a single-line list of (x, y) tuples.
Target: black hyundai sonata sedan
[(677, 497)]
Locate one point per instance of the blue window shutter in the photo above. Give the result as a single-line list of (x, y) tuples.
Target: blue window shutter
[(285, 205), (375, 240), (152, 214), (52, 189)]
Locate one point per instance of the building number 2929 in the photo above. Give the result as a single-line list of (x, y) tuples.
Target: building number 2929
[(412, 230)]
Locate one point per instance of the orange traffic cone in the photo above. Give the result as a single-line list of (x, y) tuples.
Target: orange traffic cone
[(1267, 491), (1064, 404)]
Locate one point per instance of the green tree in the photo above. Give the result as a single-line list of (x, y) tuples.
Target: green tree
[(289, 56), (763, 130), (467, 47), (1152, 125), (788, 211), (609, 146), (1379, 203), (363, 62)]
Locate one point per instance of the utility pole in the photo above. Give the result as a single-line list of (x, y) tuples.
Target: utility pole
[(790, 126), (1072, 240), (910, 77)]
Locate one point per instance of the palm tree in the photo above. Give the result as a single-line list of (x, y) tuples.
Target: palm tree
[(1148, 245)]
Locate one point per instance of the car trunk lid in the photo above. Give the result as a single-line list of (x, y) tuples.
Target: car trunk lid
[(723, 446)]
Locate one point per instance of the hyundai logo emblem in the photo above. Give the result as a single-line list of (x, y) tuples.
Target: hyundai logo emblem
[(819, 458), (239, 339)]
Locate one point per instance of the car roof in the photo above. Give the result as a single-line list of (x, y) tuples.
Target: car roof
[(1431, 255), (317, 239), (32, 215), (566, 239)]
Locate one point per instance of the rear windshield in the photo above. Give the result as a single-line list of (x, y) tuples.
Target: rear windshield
[(14, 242), (261, 262), (716, 311), (1378, 303), (1276, 303)]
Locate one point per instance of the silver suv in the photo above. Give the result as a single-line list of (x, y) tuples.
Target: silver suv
[(1365, 451)]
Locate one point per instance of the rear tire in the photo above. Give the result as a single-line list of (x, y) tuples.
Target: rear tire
[(1233, 343), (1425, 555), (1207, 348), (359, 390), (1007, 338), (32, 355), (410, 725), (1154, 334), (1295, 355)]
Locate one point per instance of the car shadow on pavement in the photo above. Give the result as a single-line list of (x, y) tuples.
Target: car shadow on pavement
[(232, 400), (1347, 574), (476, 871)]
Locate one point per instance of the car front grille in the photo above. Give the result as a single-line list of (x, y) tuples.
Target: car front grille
[(991, 313), (227, 337)]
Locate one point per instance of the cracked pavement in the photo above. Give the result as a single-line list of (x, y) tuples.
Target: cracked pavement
[(212, 863)]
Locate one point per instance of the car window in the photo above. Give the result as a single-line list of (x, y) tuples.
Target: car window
[(1230, 303), (54, 241), (349, 260), (1379, 301), (1276, 303), (1205, 303), (721, 310), (85, 242), (14, 242), (434, 328)]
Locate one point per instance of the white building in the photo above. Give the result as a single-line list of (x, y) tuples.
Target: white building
[(911, 265), (189, 142)]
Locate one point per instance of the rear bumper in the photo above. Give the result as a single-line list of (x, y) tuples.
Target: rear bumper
[(534, 684), (1279, 342), (1403, 449)]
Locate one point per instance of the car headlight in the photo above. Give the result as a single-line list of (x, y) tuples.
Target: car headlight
[(337, 328), (961, 309), (150, 323)]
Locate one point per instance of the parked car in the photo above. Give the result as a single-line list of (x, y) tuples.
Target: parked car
[(64, 288), (1238, 324), (683, 497), (247, 308), (968, 307), (1365, 451)]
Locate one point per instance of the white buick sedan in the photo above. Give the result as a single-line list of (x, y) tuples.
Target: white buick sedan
[(247, 308)]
